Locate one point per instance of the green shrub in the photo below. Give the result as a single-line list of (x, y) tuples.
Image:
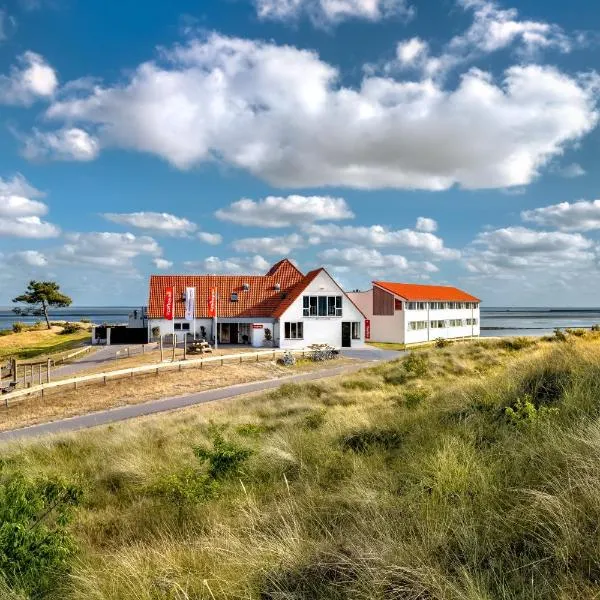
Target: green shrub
[(315, 419), (183, 489), (412, 398), (85, 320), (69, 328), (524, 412), (251, 429), (576, 332), (18, 327), (559, 335), (35, 546), (417, 364), (596, 327), (224, 459), (396, 377), (518, 343)]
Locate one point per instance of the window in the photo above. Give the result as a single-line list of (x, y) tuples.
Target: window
[(397, 304), (411, 305), (294, 331), (456, 323), (471, 321), (356, 330), (234, 297), (322, 306), (182, 326), (416, 325), (437, 305), (438, 324)]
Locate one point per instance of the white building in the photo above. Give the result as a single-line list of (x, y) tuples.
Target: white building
[(407, 313), (283, 308)]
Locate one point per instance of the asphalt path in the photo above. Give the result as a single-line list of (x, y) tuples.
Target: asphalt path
[(113, 415)]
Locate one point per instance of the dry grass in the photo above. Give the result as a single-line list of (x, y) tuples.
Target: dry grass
[(406, 481), (40, 342), (61, 403)]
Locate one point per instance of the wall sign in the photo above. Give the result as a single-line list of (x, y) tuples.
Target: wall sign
[(367, 329)]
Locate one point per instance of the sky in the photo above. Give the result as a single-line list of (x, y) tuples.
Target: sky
[(432, 141)]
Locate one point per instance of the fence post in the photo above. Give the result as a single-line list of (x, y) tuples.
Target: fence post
[(48, 370), (13, 369), (161, 349), (40, 373)]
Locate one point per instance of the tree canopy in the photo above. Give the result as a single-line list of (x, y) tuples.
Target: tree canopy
[(42, 295)]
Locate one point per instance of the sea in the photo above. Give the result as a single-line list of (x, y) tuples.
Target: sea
[(495, 321)]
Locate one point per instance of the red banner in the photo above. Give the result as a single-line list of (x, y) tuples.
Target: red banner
[(212, 302), (168, 304), (367, 329)]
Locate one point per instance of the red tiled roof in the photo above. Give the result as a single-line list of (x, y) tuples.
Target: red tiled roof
[(295, 292), (416, 292), (261, 300)]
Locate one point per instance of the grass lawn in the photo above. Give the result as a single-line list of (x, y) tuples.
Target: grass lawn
[(39, 342), (470, 472), (387, 345)]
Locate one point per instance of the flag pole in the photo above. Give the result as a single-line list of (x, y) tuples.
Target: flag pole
[(216, 320)]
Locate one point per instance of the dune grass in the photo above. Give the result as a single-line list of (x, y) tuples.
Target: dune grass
[(36, 342), (407, 481)]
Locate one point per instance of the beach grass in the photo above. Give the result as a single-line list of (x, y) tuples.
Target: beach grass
[(470, 472), (39, 342)]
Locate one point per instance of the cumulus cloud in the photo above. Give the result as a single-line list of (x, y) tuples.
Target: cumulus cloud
[(277, 211), (269, 245), (20, 213), (161, 263), (281, 114), (427, 225), (160, 223), (323, 12), (32, 79), (214, 239), (363, 259), (29, 258), (409, 52), (65, 144), (567, 216), (514, 249), (379, 236), (238, 265), (106, 249)]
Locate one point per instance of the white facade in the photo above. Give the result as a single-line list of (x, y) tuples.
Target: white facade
[(418, 322), (323, 329), (293, 329)]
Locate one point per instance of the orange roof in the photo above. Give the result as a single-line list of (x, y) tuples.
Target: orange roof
[(261, 300), (416, 292)]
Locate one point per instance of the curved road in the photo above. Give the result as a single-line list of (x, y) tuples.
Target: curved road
[(104, 417)]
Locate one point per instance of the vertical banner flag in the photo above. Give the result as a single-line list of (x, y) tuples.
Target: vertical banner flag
[(212, 302), (367, 329), (190, 303), (168, 304)]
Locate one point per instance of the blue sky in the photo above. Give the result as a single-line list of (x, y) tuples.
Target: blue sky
[(442, 141)]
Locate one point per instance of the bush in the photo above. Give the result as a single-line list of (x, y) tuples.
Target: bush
[(18, 327), (412, 398), (416, 364), (315, 419), (518, 343), (576, 332), (596, 327), (524, 412), (155, 332), (363, 385), (396, 377), (69, 328), (224, 459), (559, 335), (35, 547), (85, 320), (442, 343)]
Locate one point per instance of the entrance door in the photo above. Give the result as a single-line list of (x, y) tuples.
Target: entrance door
[(346, 335)]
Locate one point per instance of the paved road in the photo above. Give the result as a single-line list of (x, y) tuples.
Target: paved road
[(167, 404)]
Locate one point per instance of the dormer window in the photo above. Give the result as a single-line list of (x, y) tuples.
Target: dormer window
[(245, 286), (234, 297)]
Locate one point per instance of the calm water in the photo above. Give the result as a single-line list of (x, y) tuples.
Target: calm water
[(499, 321), (96, 314), (495, 321)]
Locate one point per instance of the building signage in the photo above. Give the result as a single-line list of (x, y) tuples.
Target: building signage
[(168, 304), (190, 303), (257, 326), (212, 302), (367, 329)]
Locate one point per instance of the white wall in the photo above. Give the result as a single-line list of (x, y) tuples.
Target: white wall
[(321, 330), (166, 327), (384, 328), (394, 329)]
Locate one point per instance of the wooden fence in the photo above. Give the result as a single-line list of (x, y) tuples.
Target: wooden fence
[(20, 395)]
